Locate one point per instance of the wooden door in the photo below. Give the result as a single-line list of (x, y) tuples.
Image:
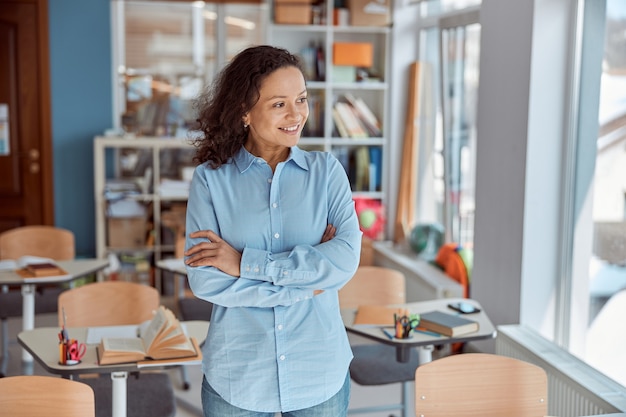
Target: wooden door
[(26, 195)]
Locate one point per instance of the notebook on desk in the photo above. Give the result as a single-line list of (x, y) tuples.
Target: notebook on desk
[(375, 315)]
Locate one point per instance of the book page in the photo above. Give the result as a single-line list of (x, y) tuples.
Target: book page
[(123, 344), (156, 325), (23, 261), (96, 334)]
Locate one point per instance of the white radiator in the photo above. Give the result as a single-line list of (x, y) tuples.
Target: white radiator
[(574, 388)]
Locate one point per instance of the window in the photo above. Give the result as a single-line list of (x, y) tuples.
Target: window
[(450, 50), (594, 276), (166, 52), (607, 264)]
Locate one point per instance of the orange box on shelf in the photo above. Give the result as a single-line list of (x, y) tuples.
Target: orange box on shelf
[(353, 53)]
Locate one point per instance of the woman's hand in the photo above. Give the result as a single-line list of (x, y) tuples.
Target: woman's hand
[(215, 252), (329, 233)]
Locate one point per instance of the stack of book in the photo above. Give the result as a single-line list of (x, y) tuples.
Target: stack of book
[(354, 119)]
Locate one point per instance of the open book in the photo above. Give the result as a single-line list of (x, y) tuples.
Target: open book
[(33, 266), (162, 338)]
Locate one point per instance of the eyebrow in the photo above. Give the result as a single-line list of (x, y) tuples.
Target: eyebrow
[(275, 97)]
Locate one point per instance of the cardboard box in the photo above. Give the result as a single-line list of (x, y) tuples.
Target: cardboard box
[(353, 54), (370, 12), (293, 13), (126, 232)]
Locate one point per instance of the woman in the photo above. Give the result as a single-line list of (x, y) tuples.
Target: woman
[(272, 236)]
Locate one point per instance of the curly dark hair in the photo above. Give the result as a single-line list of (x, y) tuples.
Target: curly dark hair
[(236, 89)]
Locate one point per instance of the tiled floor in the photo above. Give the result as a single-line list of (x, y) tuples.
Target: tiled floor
[(188, 401)]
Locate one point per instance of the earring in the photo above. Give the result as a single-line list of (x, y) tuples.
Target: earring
[(245, 125)]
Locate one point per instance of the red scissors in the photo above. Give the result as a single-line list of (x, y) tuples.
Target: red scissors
[(77, 350)]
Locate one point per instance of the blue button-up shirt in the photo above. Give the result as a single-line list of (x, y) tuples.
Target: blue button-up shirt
[(272, 345)]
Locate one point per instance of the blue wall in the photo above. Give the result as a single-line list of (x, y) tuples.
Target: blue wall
[(80, 72)]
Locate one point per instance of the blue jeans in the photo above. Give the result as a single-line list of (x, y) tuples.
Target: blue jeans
[(214, 406)]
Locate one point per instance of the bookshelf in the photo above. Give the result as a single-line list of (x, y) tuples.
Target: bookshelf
[(363, 157), (140, 199)]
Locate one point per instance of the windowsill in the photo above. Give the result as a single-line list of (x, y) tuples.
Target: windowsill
[(424, 280)]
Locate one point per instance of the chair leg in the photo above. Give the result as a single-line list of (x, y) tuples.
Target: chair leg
[(5, 347)]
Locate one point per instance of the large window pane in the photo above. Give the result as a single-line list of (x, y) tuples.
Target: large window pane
[(167, 51), (607, 285)]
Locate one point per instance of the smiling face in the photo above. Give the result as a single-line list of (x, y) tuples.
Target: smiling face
[(276, 120)]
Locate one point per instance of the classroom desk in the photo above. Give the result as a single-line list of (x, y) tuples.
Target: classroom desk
[(43, 344), (76, 268), (177, 267), (421, 341)]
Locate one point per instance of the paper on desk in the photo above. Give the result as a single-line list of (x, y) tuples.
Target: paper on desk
[(11, 264), (95, 334)]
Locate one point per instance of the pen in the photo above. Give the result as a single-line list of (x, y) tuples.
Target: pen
[(64, 325), (389, 335)]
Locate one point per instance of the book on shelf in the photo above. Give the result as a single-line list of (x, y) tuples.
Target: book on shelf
[(365, 115), (33, 267), (447, 324), (362, 169), (162, 339), (341, 128), (353, 126)]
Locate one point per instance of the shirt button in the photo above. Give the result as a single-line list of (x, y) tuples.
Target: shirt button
[(280, 327), (276, 235), (285, 272), (282, 357), (248, 268), (269, 180), (256, 269), (274, 205)]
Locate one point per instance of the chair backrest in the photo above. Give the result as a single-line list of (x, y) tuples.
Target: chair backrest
[(36, 395), (108, 303), (480, 384), (44, 241), (373, 285)]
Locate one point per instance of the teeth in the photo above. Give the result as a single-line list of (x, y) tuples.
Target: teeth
[(290, 129)]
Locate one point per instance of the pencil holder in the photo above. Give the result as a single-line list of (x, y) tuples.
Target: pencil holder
[(404, 325)]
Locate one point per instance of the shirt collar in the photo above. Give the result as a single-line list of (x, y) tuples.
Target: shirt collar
[(244, 159)]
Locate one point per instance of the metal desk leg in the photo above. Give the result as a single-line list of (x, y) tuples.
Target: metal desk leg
[(28, 316), (119, 393), (425, 354)]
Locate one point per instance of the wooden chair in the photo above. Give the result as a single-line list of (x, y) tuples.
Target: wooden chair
[(35, 395), (44, 241), (112, 303), (480, 384), (376, 364)]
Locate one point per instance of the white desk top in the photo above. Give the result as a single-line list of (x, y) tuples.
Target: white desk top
[(176, 265), (486, 329), (75, 269), (43, 344)]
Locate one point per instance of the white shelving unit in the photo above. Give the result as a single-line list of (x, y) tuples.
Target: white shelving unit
[(295, 38), (148, 155)]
